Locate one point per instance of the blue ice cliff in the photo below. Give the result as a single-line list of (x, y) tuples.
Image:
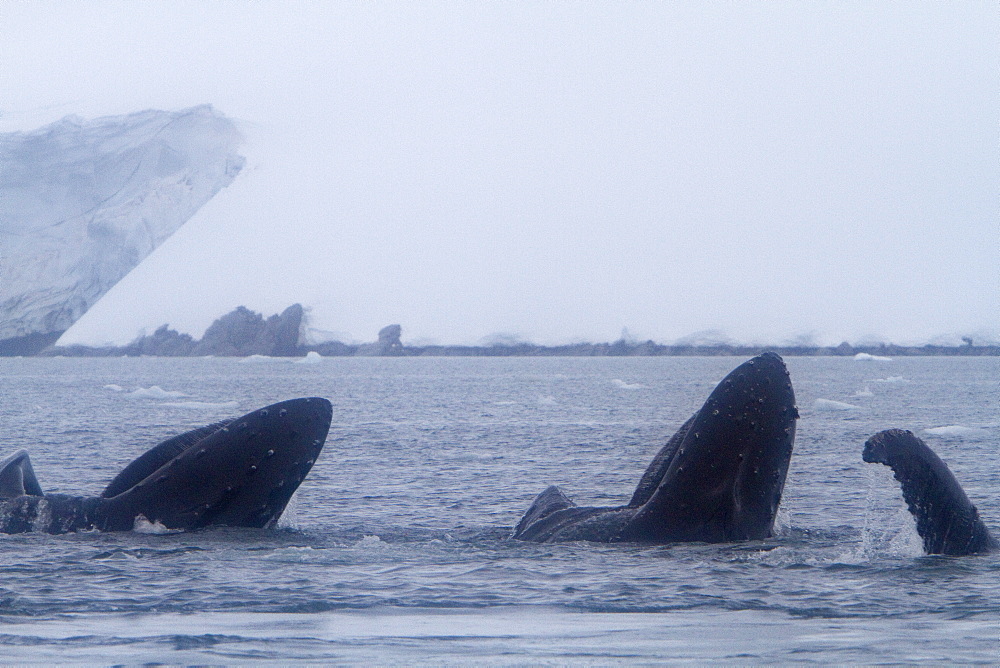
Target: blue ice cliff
[(84, 202)]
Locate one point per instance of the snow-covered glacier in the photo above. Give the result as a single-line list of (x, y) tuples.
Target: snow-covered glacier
[(83, 202)]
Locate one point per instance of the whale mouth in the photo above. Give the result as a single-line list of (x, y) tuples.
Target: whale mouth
[(726, 476), (241, 474)]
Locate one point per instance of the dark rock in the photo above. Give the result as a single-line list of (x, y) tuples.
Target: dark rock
[(163, 343), (243, 332)]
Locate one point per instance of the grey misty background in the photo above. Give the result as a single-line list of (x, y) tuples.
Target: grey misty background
[(775, 172)]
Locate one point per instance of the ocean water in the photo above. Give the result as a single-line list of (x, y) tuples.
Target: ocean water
[(395, 548)]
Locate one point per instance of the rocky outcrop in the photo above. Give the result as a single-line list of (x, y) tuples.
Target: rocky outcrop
[(83, 202), (243, 332), (388, 343)]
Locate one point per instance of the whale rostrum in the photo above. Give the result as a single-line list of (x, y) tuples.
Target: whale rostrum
[(239, 472)]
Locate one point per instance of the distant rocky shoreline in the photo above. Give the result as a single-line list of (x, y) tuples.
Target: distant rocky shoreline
[(242, 333)]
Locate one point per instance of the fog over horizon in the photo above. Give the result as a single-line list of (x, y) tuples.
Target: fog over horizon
[(556, 172)]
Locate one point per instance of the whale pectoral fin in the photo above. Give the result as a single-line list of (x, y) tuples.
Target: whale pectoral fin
[(157, 456), (658, 467), (240, 475), (17, 478), (946, 520), (549, 501)]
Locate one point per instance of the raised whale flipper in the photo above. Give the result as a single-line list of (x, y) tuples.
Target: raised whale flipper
[(719, 478), (946, 520), (17, 478), (155, 457)]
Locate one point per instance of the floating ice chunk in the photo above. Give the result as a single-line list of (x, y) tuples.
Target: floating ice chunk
[(872, 358), (831, 405), (312, 357), (156, 392), (890, 379), (865, 393), (203, 405), (628, 386), (114, 388), (956, 431), (260, 358)]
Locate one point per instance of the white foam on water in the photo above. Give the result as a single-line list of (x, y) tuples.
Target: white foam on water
[(142, 525), (831, 405)]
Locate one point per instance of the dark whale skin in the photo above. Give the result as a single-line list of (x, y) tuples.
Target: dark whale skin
[(946, 520), (718, 479), (238, 473)]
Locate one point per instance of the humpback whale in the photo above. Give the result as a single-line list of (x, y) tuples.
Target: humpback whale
[(946, 520), (238, 472), (718, 479)]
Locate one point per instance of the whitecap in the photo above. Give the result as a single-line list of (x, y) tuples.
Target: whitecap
[(872, 358), (628, 386), (156, 392), (312, 357), (831, 405), (956, 431), (369, 542)]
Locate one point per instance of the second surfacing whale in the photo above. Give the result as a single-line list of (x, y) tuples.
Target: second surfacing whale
[(238, 473), (718, 479)]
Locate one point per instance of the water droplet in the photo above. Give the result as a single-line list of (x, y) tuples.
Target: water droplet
[(283, 412), (263, 412), (715, 412), (270, 453)]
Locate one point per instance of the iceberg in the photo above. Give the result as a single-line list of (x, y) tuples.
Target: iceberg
[(82, 203)]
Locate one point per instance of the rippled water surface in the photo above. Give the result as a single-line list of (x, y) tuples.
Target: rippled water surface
[(395, 548)]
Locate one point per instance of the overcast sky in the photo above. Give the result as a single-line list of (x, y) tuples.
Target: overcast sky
[(556, 170)]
